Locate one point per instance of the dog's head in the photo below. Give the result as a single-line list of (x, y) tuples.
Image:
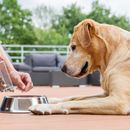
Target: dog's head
[(85, 53)]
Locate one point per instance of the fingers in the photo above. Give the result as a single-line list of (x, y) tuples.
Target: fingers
[(29, 86), (25, 82), (28, 82), (24, 87), (21, 85)]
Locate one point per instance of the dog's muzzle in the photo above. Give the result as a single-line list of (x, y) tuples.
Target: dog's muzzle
[(82, 72)]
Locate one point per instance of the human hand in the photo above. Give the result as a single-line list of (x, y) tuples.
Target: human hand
[(22, 80)]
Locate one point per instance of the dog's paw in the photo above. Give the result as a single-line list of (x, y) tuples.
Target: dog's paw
[(40, 109), (45, 109)]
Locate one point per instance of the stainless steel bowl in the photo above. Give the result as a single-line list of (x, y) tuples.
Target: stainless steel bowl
[(20, 104)]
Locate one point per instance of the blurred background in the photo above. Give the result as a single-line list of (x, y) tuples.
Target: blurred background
[(28, 26), (45, 22)]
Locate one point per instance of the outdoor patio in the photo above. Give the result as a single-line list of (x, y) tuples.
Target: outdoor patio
[(62, 122), (35, 34)]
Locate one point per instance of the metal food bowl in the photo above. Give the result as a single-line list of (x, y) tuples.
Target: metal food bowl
[(20, 104)]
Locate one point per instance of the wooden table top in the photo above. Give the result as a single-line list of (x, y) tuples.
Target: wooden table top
[(61, 122)]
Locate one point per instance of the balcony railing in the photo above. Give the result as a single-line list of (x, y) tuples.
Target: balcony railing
[(17, 52)]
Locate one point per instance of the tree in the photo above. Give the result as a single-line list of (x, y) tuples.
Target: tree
[(15, 24), (102, 14), (45, 32), (71, 16), (44, 16), (60, 27), (50, 36)]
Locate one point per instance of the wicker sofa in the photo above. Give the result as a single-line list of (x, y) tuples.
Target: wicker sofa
[(44, 69)]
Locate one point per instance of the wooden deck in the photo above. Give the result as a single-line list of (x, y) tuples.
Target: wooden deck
[(62, 122)]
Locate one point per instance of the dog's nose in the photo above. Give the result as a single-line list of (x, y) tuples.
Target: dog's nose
[(64, 68)]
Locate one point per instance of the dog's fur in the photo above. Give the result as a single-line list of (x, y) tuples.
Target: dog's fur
[(103, 47)]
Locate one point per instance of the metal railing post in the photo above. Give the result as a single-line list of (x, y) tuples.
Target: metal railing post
[(22, 53)]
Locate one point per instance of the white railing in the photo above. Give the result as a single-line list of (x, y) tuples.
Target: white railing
[(17, 52)]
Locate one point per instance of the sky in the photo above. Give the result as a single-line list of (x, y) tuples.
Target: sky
[(119, 7)]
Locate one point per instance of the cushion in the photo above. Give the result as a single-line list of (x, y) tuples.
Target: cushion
[(21, 66), (61, 59), (47, 60)]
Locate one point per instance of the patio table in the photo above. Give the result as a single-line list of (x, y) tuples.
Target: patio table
[(29, 121)]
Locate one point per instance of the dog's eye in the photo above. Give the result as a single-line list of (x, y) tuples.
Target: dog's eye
[(73, 47)]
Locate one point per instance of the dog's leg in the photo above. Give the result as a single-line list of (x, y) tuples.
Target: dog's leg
[(74, 98), (107, 105), (78, 98)]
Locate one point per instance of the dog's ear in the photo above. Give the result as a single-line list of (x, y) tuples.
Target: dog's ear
[(85, 33)]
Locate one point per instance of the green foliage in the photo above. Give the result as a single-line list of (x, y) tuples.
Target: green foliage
[(102, 14), (15, 24), (50, 36), (71, 16), (61, 26)]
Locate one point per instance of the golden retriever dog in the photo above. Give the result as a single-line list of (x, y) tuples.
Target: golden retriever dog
[(102, 47)]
